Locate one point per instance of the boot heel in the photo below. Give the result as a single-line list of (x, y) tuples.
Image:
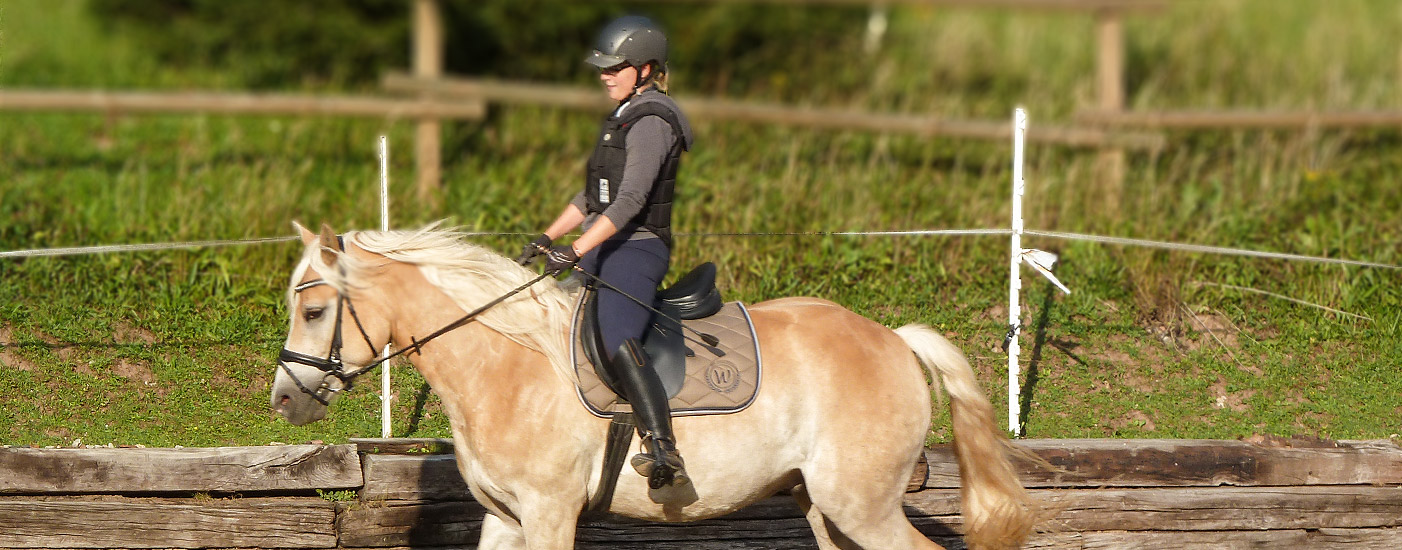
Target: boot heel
[(644, 465)]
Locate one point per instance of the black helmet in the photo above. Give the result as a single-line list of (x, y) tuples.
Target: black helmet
[(631, 39)]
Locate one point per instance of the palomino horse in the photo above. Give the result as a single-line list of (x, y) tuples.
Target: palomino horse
[(841, 419)]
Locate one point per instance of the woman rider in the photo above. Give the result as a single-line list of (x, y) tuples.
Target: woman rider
[(626, 208)]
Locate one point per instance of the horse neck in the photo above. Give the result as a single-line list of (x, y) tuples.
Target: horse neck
[(481, 375)]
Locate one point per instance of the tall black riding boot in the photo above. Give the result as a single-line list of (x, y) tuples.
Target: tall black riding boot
[(662, 465)]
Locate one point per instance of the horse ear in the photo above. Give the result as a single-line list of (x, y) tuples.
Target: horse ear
[(329, 242), (307, 236)]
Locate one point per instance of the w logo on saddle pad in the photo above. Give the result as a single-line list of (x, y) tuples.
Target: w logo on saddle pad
[(699, 379)]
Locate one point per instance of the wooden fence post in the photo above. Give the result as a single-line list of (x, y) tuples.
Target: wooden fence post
[(1110, 92), (428, 64)]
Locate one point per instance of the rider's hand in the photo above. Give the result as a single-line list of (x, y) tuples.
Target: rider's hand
[(533, 249), (560, 259)]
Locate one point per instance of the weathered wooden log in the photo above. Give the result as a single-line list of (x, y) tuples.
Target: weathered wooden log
[(406, 477), (1079, 463), (403, 445), (1086, 518), (116, 522), (1188, 462), (1196, 508), (436, 477), (213, 469), (1379, 539), (397, 523), (1164, 495)]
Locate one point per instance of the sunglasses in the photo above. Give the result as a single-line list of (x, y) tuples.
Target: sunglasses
[(614, 69)]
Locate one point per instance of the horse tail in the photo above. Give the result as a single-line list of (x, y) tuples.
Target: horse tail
[(998, 511)]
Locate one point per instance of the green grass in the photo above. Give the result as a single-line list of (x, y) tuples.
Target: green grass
[(177, 348)]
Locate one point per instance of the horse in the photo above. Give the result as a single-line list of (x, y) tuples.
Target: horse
[(840, 422)]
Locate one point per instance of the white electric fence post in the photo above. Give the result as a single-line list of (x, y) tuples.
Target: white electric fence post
[(1014, 280), (384, 226)]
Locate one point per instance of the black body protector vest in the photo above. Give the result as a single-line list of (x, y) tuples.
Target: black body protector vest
[(605, 172)]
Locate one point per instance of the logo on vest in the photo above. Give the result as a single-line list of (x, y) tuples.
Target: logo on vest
[(722, 376)]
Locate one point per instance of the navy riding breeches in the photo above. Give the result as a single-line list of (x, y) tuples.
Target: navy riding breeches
[(635, 267)]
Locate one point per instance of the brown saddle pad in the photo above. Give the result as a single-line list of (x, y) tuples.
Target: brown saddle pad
[(713, 384)]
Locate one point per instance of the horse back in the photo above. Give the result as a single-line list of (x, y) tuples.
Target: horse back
[(828, 328)]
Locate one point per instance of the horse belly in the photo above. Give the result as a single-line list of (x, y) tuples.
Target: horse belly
[(733, 461)]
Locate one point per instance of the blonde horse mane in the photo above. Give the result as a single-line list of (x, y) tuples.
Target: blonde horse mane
[(471, 275)]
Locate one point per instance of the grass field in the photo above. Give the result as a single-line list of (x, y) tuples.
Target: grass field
[(177, 348)]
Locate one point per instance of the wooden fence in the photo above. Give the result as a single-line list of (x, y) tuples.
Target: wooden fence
[(1106, 125), (523, 93), (1109, 85), (397, 493)]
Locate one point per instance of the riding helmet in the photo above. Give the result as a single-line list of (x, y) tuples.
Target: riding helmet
[(631, 39)]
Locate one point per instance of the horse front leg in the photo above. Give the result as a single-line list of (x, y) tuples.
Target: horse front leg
[(550, 527), (501, 534)]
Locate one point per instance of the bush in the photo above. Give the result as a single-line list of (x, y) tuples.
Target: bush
[(728, 48)]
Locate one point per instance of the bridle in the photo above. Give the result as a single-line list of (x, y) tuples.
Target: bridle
[(332, 366)]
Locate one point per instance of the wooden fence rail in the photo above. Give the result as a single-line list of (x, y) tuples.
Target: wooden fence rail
[(1201, 120), (1051, 5), (570, 97), (232, 104), (1102, 494)]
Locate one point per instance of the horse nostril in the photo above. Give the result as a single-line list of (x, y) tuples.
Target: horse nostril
[(284, 401)]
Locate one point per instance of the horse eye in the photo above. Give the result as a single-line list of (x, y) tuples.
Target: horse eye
[(311, 313)]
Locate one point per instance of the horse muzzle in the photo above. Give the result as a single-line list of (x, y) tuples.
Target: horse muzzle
[(301, 394)]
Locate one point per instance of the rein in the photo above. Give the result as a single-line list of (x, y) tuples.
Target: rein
[(332, 364)]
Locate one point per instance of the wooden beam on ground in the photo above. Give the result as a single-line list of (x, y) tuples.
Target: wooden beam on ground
[(1354, 539), (1193, 508), (1079, 463), (149, 102), (1200, 120), (116, 522), (415, 524), (1254, 513), (403, 445), (413, 477), (1190, 463), (1222, 508), (210, 469), (518, 93)]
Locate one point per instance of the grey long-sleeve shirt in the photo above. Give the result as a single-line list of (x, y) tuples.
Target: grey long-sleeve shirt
[(649, 140)]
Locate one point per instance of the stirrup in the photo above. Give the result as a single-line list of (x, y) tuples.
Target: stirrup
[(661, 466)]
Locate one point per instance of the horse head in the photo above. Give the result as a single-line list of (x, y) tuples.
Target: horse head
[(321, 356)]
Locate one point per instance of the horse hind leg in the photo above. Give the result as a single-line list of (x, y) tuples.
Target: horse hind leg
[(850, 522)]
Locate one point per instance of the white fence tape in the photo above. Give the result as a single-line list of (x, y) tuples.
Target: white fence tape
[(1201, 249), (1205, 249), (106, 249)]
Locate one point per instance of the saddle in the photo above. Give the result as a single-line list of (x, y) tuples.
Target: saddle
[(698, 378)]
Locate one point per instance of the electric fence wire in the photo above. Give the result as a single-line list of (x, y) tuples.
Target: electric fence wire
[(1120, 241)]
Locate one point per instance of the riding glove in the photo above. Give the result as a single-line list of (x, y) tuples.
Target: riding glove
[(533, 249), (560, 259)]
